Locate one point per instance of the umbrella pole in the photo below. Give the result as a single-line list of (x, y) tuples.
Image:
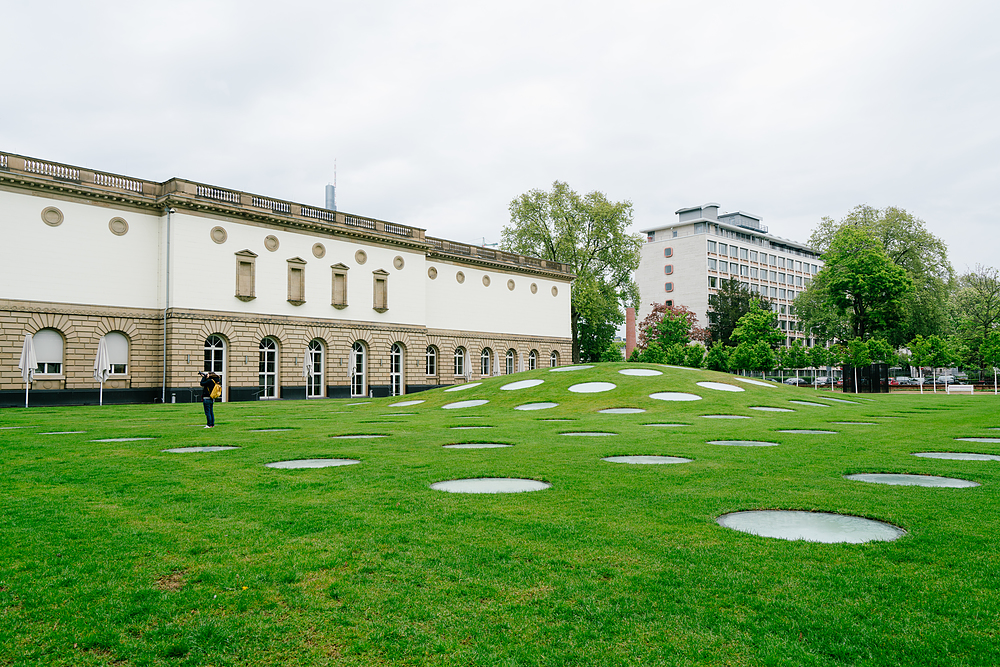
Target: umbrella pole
[(26, 385), (102, 394)]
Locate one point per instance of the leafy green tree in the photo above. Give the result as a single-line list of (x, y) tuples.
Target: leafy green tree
[(675, 354), (717, 358), (694, 355), (797, 357), (757, 357), (727, 306), (882, 352), (653, 354), (920, 356), (975, 308), (614, 352), (991, 355), (669, 325), (858, 354), (858, 282), (589, 233), (908, 245), (758, 324)]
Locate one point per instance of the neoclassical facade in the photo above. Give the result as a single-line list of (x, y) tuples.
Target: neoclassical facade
[(283, 300)]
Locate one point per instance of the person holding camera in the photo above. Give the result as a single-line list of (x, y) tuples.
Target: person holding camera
[(209, 382)]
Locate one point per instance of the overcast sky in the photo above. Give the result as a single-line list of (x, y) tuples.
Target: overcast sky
[(440, 113)]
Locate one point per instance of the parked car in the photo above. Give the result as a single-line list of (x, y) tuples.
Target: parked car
[(796, 381), (946, 379), (822, 379)]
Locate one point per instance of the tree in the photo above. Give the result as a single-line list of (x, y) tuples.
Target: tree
[(908, 245), (819, 357), (589, 233), (796, 357), (668, 325), (727, 306), (881, 352), (976, 309), (858, 354), (757, 325), (858, 282), (694, 355), (932, 351), (717, 358), (991, 355), (758, 357)]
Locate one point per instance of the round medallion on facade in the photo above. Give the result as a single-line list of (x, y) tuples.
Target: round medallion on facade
[(118, 226), (361, 257), (534, 288), (219, 235), (460, 277), (432, 273), (271, 242), (52, 216), (486, 281), (555, 291), (510, 285), (318, 250), (398, 262)]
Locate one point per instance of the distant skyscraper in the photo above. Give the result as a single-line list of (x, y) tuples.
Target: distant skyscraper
[(331, 197)]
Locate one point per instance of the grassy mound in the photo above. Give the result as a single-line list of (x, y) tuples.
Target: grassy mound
[(117, 551)]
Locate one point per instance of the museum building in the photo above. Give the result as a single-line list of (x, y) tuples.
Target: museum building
[(283, 300)]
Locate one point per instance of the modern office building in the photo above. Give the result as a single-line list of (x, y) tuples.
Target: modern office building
[(284, 300), (683, 262)]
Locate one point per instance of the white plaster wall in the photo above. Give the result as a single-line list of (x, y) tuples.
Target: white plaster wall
[(690, 276), (80, 261), (471, 306), (204, 273)]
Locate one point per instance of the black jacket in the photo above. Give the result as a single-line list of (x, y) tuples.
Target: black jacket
[(207, 385)]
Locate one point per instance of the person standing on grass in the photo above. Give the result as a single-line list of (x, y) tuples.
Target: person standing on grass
[(208, 383)]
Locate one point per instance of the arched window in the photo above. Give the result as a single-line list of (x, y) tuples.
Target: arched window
[(460, 361), (267, 368), (431, 360), (315, 385), (553, 359), (510, 362), (484, 362), (48, 345), (532, 360), (396, 369), (359, 365), (215, 359), (117, 346)]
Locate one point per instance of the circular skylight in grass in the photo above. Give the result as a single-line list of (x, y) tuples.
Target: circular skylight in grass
[(121, 439), (675, 396), (815, 405), (621, 411), (536, 406), (912, 480), (640, 372), (187, 450), (646, 460), (763, 408), (399, 414), (61, 432), (361, 403), (557, 420), (463, 387), (758, 383), (467, 428), (837, 400), (567, 369), (8, 428), (269, 430), (521, 384), (807, 431), (994, 440), (359, 436), (312, 463), (958, 456), (724, 417), (491, 485), (719, 386), (857, 423), (743, 443), (406, 403), (666, 425), (588, 433), (592, 387), (465, 404), (477, 445), (811, 526)]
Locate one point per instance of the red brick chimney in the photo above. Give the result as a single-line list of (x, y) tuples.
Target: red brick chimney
[(629, 331)]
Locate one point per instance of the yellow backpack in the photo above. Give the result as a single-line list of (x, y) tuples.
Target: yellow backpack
[(216, 390)]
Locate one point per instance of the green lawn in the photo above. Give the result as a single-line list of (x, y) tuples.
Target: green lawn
[(117, 553)]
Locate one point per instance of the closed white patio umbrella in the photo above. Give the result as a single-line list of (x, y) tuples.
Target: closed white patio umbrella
[(496, 366), (468, 366), (307, 370), (27, 364), (102, 365), (520, 362)]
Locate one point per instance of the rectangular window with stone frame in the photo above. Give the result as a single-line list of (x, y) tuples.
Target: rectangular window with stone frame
[(296, 281), (246, 265), (339, 294), (380, 290)]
